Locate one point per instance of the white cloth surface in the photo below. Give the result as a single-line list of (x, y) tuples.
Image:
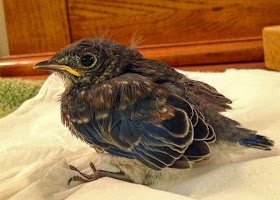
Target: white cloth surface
[(35, 150)]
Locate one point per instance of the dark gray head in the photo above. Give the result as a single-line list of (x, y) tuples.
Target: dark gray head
[(91, 61)]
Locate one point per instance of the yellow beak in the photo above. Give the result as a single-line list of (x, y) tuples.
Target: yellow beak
[(46, 65)]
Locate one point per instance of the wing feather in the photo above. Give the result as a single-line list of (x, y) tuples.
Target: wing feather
[(158, 131)]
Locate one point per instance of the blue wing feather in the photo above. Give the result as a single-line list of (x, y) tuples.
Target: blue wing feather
[(141, 120), (90, 135), (156, 143)]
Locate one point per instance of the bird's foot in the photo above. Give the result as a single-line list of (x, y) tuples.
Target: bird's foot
[(85, 177), (96, 175)]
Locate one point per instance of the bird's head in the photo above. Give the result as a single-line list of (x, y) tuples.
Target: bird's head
[(90, 61)]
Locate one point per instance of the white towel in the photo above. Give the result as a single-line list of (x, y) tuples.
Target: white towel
[(35, 150)]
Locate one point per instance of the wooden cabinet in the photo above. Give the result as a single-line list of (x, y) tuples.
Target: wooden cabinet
[(179, 32)]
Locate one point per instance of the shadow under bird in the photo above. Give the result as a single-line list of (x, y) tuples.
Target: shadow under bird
[(141, 115)]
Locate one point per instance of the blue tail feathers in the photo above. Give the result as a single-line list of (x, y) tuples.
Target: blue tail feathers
[(257, 141)]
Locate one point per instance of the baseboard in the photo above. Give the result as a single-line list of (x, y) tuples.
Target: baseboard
[(195, 56)]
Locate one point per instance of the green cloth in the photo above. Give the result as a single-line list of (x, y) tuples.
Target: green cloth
[(13, 92)]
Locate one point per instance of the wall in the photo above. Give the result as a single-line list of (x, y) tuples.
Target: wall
[(4, 48)]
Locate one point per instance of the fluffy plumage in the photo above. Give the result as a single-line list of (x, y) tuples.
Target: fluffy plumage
[(141, 112)]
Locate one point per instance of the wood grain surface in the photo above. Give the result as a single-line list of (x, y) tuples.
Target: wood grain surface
[(210, 53), (271, 39), (172, 21), (179, 32), (22, 65), (36, 25)]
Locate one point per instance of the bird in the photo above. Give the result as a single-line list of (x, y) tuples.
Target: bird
[(141, 115)]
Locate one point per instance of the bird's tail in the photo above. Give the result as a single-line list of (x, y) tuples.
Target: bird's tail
[(231, 131), (257, 141)]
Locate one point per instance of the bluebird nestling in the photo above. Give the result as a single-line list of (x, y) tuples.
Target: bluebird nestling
[(144, 117)]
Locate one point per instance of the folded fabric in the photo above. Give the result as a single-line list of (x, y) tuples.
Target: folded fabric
[(35, 150)]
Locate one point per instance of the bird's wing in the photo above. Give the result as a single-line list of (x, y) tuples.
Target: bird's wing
[(198, 91), (206, 94), (146, 123)]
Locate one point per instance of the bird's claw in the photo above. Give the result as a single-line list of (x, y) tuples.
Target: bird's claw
[(86, 177)]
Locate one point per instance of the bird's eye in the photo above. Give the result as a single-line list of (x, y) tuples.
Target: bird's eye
[(88, 60)]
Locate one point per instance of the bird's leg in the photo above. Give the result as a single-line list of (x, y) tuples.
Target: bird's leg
[(78, 178), (88, 176), (96, 175)]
